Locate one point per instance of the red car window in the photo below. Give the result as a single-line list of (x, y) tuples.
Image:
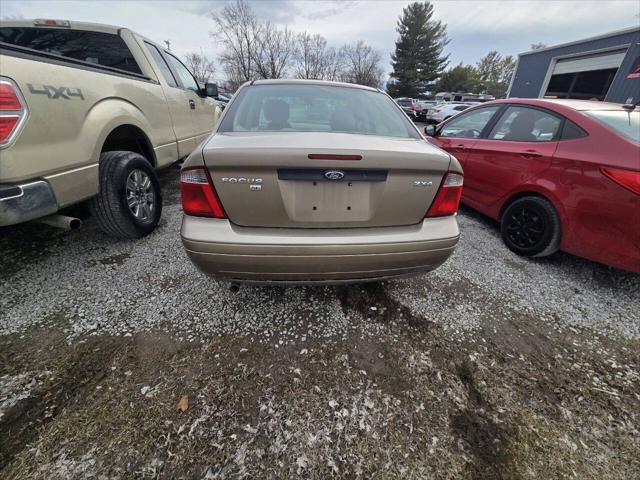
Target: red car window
[(470, 124), (522, 124)]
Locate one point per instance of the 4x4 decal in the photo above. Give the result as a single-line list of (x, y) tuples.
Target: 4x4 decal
[(56, 92)]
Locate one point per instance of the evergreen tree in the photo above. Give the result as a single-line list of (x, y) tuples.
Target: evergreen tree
[(418, 60)]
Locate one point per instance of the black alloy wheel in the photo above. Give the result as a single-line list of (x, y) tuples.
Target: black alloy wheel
[(531, 227)]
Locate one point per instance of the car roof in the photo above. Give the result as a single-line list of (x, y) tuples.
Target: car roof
[(579, 105), (295, 81)]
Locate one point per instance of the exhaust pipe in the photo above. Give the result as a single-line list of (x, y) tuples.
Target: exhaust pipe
[(61, 221)]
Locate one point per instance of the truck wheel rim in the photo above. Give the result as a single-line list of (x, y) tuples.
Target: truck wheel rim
[(141, 197)]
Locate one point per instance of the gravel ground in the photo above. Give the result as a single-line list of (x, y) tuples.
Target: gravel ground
[(492, 366), (104, 286)]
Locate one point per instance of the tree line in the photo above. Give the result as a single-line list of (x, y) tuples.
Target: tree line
[(252, 50)]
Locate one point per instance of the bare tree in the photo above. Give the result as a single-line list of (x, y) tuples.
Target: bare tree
[(315, 60), (335, 65), (253, 50), (237, 27), (311, 56), (274, 51), (361, 64), (201, 67)]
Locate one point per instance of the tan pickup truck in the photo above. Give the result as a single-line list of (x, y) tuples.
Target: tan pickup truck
[(89, 112)]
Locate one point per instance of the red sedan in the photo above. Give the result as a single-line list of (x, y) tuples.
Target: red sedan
[(557, 174)]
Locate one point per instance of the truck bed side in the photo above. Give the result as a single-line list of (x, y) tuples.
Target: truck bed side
[(72, 109)]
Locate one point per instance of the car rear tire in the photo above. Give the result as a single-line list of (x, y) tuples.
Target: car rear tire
[(129, 204), (530, 227)]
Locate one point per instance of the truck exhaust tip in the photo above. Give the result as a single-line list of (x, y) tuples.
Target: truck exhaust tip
[(61, 221)]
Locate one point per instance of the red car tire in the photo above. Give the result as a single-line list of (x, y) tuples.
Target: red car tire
[(530, 227)]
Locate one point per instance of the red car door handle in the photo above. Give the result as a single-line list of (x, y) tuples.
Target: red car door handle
[(530, 154)]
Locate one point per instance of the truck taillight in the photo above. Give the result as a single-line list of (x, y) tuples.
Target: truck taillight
[(199, 198), (628, 179), (7, 125), (13, 110), (9, 98), (448, 196)]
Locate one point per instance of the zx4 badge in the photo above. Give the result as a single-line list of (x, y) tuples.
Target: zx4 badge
[(422, 183)]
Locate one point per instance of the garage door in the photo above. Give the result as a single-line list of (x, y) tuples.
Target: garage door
[(586, 77), (590, 62)]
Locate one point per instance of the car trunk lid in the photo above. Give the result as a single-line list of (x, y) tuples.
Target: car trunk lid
[(323, 180)]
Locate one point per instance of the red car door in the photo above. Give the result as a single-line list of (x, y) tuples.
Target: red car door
[(519, 147), (459, 147), (460, 134)]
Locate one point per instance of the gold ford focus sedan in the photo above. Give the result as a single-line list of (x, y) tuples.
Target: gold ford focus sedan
[(317, 182)]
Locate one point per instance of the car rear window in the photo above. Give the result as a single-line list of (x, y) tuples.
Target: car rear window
[(625, 123), (316, 108), (100, 48)]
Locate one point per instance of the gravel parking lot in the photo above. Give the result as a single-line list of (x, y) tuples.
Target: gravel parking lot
[(492, 366)]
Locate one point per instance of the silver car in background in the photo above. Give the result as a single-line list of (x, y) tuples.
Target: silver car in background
[(444, 111)]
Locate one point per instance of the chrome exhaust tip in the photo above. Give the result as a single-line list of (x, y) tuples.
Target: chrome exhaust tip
[(60, 221)]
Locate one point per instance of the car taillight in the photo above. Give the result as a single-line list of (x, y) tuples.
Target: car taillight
[(413, 107), (438, 110), (626, 178), (12, 110), (199, 198), (448, 196)]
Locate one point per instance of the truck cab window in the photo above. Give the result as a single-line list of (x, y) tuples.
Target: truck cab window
[(186, 78), (99, 48), (162, 64)]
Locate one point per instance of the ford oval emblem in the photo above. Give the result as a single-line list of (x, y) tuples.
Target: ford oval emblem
[(334, 175)]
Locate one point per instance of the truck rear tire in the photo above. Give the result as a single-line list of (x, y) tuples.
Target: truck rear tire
[(129, 204)]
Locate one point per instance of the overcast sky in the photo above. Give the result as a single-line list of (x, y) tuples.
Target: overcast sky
[(474, 27)]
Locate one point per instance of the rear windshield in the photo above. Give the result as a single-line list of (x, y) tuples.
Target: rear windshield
[(405, 103), (315, 108), (623, 122), (99, 48)]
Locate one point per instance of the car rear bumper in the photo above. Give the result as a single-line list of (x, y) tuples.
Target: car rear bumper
[(20, 203), (265, 255)]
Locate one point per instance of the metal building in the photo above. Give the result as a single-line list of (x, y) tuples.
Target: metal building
[(606, 67)]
